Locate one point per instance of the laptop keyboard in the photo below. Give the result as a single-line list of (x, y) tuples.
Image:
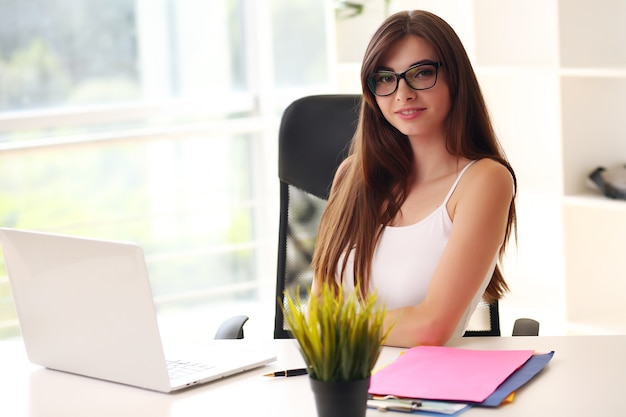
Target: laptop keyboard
[(178, 368)]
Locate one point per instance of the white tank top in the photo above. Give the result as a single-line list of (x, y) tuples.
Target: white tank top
[(406, 257)]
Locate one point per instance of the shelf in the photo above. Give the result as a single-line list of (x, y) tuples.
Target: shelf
[(592, 32), (593, 127), (504, 21), (518, 71), (594, 200), (594, 259), (617, 71)]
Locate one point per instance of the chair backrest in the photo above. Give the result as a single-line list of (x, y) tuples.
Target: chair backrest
[(485, 320), (313, 139)]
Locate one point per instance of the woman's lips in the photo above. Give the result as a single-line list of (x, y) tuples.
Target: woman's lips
[(409, 113)]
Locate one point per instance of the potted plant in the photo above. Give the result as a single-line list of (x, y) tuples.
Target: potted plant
[(340, 338)]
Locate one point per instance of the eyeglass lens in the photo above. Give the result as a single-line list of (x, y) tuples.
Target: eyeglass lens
[(419, 77)]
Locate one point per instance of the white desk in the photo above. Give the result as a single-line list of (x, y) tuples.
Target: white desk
[(586, 377)]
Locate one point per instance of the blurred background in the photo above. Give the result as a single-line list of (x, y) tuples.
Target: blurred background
[(156, 121)]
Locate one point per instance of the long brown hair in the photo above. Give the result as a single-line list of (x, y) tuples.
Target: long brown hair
[(369, 192)]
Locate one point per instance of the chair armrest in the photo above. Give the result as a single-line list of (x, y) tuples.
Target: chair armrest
[(231, 328), (526, 327)]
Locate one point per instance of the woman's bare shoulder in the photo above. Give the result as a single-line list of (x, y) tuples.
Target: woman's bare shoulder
[(488, 171), (488, 178)]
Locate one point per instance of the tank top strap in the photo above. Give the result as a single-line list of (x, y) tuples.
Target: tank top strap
[(458, 178)]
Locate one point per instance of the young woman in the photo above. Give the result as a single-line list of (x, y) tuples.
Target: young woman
[(422, 208)]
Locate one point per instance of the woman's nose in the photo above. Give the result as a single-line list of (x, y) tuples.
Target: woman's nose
[(404, 92)]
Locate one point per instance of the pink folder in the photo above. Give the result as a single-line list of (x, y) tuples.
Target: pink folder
[(445, 373)]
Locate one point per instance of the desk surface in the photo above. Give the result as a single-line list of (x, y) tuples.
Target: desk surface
[(586, 377)]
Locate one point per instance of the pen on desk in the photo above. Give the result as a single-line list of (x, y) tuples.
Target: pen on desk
[(288, 372)]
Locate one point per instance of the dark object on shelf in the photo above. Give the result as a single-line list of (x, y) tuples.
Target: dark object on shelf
[(610, 181)]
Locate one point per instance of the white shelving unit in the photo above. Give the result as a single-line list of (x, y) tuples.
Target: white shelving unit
[(593, 93), (554, 73), (554, 77)]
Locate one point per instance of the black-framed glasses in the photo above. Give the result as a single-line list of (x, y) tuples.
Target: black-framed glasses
[(419, 77)]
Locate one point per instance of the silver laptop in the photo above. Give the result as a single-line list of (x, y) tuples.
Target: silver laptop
[(85, 306)]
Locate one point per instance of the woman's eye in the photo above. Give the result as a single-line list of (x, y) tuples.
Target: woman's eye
[(384, 78), (424, 73)]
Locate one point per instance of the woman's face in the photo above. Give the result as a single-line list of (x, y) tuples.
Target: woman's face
[(413, 112)]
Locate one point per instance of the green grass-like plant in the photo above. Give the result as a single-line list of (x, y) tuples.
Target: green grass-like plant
[(340, 337)]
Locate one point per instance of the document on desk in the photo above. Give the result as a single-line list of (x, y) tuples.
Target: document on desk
[(520, 377), (446, 373)]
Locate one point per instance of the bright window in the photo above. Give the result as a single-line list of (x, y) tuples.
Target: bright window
[(155, 121)]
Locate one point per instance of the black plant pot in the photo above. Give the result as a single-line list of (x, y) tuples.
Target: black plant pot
[(340, 399)]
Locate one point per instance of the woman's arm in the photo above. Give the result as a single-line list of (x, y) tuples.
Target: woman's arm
[(479, 209)]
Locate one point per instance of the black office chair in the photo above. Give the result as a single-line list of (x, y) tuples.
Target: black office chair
[(313, 140)]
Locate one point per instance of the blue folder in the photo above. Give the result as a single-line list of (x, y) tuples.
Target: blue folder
[(517, 379)]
